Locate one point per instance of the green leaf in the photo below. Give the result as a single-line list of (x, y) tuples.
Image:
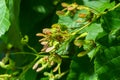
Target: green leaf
[(114, 37), (4, 18), (99, 5), (81, 69), (111, 20), (66, 20), (92, 53), (102, 38), (63, 48), (107, 63), (93, 30), (108, 39), (29, 75), (74, 21), (69, 22)]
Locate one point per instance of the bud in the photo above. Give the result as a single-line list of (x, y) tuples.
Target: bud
[(35, 66), (40, 34), (49, 49), (9, 46), (64, 4), (81, 54), (44, 43), (60, 13), (78, 43), (82, 15), (47, 31), (83, 35), (25, 39), (39, 69), (56, 68), (70, 8)]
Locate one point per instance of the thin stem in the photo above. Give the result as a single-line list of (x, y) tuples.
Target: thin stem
[(114, 7), (25, 53), (59, 70), (31, 48), (62, 74), (81, 28), (118, 5)]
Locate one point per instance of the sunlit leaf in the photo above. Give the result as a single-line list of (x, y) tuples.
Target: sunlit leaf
[(77, 20), (63, 49), (92, 53), (4, 17), (93, 30), (99, 5)]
